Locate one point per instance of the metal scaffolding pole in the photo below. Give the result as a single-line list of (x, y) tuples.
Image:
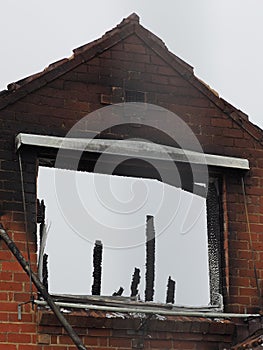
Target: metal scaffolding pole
[(40, 287)]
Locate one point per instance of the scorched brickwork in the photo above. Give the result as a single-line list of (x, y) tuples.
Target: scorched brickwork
[(129, 58)]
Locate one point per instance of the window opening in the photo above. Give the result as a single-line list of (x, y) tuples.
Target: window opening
[(181, 258)]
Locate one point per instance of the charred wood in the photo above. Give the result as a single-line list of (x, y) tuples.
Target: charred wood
[(170, 291), (119, 292), (97, 268), (150, 259), (135, 282)]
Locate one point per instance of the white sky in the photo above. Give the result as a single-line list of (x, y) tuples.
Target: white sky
[(222, 39), (113, 209)]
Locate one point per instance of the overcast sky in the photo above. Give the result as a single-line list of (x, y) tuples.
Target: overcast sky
[(222, 40), (115, 210)]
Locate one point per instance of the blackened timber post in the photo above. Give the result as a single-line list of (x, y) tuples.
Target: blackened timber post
[(150, 259), (170, 291), (45, 271), (41, 214), (42, 260), (97, 269), (135, 282)]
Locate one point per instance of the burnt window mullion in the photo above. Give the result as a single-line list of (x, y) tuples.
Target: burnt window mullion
[(214, 241)]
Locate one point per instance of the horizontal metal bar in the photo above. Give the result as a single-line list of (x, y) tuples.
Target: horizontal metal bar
[(135, 149), (125, 301), (148, 310)]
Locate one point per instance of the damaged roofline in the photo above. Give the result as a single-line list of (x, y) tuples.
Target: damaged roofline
[(139, 149)]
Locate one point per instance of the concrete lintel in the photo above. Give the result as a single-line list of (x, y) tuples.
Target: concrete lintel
[(131, 148)]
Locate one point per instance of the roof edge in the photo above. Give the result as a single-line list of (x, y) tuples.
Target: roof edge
[(126, 27)]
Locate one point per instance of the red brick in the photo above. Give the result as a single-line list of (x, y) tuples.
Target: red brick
[(161, 344), (187, 345), (247, 291), (28, 347), (62, 339), (160, 79), (235, 133), (19, 338), (3, 338), (11, 286), (43, 339), (90, 341), (21, 297), (6, 276), (157, 60), (12, 317), (21, 277), (49, 347), (8, 346), (11, 266), (227, 123), (134, 48), (5, 255), (244, 254), (120, 342), (99, 332), (4, 316)]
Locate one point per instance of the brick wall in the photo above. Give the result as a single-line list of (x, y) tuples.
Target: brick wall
[(133, 332), (51, 103)]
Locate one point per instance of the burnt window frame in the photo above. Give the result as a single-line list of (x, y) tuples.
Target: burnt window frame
[(215, 237), (34, 156)]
